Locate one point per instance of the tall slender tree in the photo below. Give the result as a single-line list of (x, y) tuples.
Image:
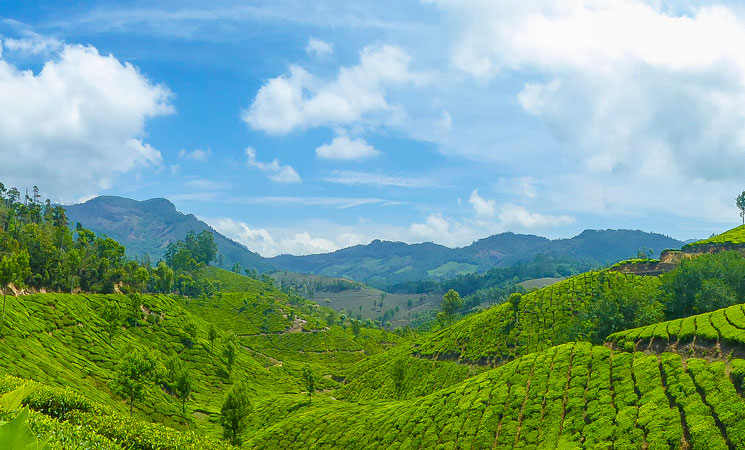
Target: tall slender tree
[(741, 205)]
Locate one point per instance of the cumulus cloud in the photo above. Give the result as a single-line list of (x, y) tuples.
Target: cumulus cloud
[(298, 99), (195, 155), (489, 218), (276, 171), (79, 122), (483, 207), (634, 88), (341, 147), (318, 47), (514, 216), (270, 244)]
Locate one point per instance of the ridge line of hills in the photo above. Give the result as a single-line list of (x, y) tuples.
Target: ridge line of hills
[(147, 227)]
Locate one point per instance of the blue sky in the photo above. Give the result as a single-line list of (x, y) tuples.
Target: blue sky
[(304, 127)]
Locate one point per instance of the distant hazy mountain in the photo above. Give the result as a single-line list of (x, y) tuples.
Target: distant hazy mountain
[(383, 262), (148, 227)]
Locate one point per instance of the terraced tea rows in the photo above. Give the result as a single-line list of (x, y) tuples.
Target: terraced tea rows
[(62, 340), (719, 331), (502, 333), (571, 396)]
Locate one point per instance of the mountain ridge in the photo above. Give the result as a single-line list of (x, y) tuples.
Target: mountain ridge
[(147, 227)]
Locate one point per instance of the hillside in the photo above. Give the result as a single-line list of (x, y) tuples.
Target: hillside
[(147, 227), (734, 237), (355, 298), (571, 396), (383, 263)]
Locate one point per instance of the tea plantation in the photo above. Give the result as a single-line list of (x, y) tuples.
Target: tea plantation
[(520, 374)]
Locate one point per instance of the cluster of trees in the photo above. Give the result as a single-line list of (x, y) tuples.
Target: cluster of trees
[(39, 249), (698, 285), (186, 259)]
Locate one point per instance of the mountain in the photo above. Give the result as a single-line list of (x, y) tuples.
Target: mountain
[(382, 263), (147, 227)]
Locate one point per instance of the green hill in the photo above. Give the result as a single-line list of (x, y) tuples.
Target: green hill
[(544, 318), (720, 333), (383, 264), (571, 396), (735, 236), (147, 227)]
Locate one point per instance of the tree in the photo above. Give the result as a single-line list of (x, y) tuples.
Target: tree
[(451, 303), (356, 328), (135, 311), (714, 294), (136, 370), (398, 372), (514, 300), (14, 269), (212, 335), (183, 387), (190, 331), (740, 201), (309, 379), (112, 314), (237, 267), (165, 278), (230, 351), (234, 411)]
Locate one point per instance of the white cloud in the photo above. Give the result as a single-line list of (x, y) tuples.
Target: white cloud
[(76, 124), (318, 47), (514, 216), (31, 44), (268, 244), (195, 155), (298, 99), (638, 88), (341, 147), (635, 97), (276, 171), (484, 208), (377, 179)]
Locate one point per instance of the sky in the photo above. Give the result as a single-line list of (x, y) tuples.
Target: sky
[(304, 127)]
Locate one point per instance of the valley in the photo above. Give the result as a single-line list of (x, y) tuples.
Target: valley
[(604, 358)]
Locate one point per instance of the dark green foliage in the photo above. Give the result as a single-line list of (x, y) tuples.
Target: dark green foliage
[(399, 374), (112, 314), (212, 335), (134, 374), (234, 412), (309, 379), (195, 249), (451, 303), (183, 387), (230, 350), (632, 302), (705, 283), (190, 334)]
